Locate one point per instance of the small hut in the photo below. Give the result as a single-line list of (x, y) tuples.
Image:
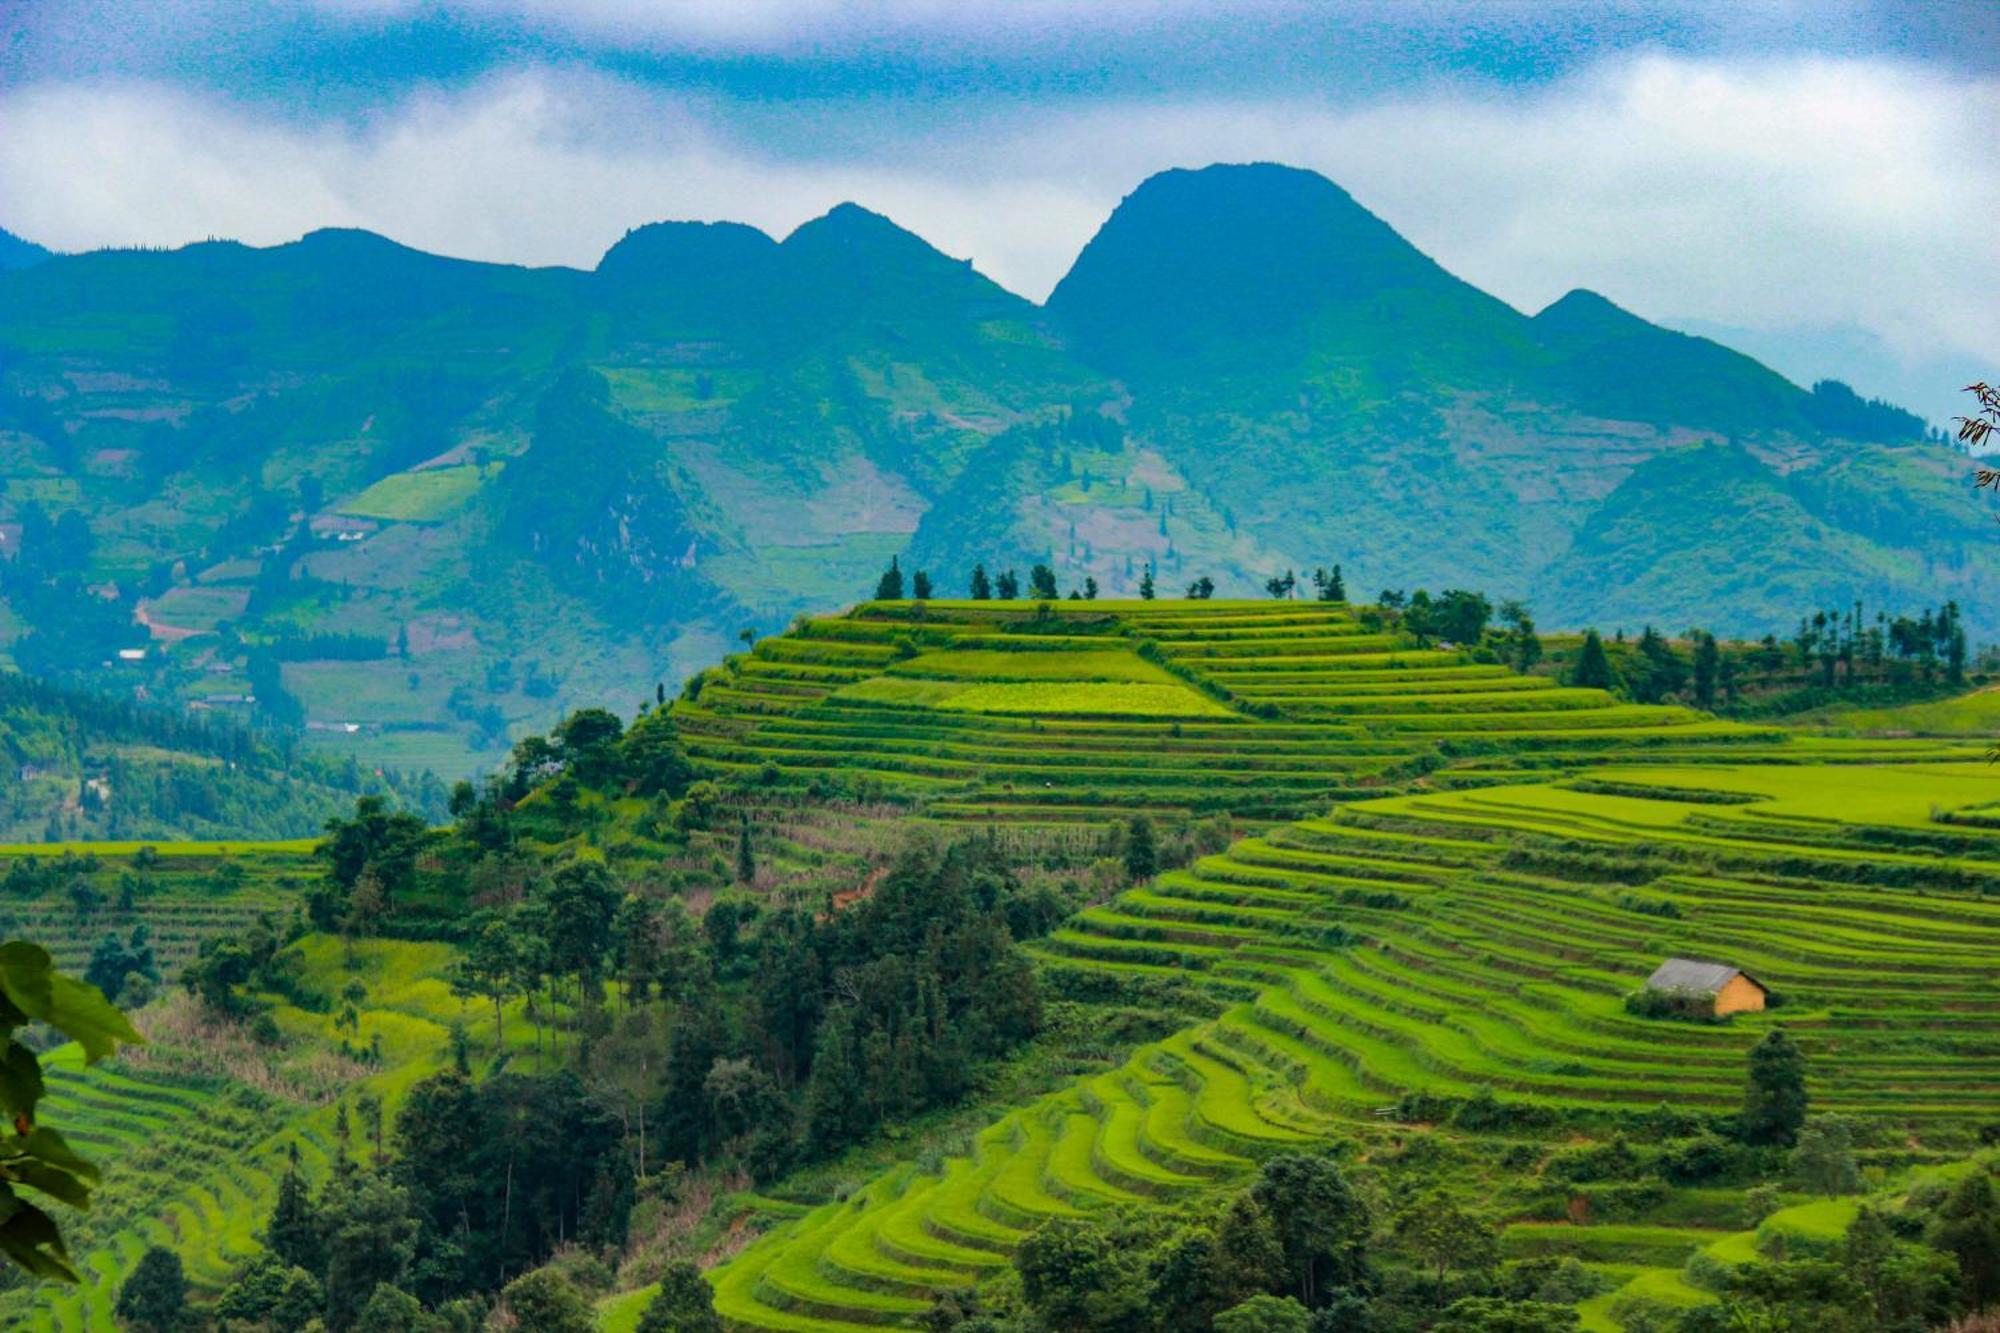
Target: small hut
[(1730, 990)]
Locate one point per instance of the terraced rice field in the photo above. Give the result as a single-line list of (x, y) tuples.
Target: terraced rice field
[(1448, 944), (1263, 709), (193, 1161)]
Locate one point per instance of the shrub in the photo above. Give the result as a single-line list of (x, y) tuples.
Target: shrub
[(1700, 1159), (1680, 1006)]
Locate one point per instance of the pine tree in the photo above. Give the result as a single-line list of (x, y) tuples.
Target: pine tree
[(154, 1298), (1774, 1103), (1142, 852), (920, 586), (1146, 583), (982, 587), (1008, 586), (889, 588), (685, 1303), (1707, 668), (746, 859), (295, 1229), (1593, 665)]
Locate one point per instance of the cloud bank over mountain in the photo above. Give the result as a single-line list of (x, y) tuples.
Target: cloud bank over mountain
[(1692, 171)]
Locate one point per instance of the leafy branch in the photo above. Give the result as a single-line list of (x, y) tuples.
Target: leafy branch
[(32, 1156), (1974, 431)]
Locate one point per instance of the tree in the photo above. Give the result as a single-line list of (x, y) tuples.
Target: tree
[(920, 586), (587, 744), (1142, 852), (653, 759), (1265, 1314), (1321, 1225), (489, 969), (371, 1236), (544, 1301), (1593, 665), (1823, 1160), (982, 587), (1774, 1102), (1201, 589), (271, 1294), (1707, 668), (1522, 646), (685, 1303), (154, 1298), (34, 1156), (392, 1310), (113, 960), (1075, 1278), (1090, 588), (1280, 586), (1008, 586), (1967, 1227), (388, 842), (1907, 1286), (1494, 1314), (578, 903), (1446, 1237), (1042, 583), (1659, 670), (1460, 616), (1146, 583), (746, 857), (293, 1234), (889, 588)]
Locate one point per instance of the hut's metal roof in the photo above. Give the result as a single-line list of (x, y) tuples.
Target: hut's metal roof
[(1689, 974)]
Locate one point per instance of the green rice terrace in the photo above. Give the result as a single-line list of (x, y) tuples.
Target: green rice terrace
[(1455, 876), (1069, 711), (1432, 959)]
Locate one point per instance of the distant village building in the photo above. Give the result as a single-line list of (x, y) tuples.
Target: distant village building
[(1730, 990)]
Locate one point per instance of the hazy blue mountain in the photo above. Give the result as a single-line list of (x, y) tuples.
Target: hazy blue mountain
[(467, 495), (17, 253), (1931, 386)]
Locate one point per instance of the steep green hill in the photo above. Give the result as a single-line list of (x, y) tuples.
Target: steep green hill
[(488, 470)]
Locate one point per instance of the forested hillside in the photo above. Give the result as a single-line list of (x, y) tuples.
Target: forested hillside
[(423, 505), (78, 766)]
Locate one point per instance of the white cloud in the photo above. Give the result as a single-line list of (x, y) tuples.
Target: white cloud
[(1757, 194)]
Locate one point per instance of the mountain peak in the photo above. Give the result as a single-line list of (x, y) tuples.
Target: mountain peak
[(18, 253), (1583, 315), (685, 249), (851, 260), (1243, 263), (862, 234)]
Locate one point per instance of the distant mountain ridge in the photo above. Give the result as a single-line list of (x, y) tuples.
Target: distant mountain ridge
[(558, 486), (17, 253)]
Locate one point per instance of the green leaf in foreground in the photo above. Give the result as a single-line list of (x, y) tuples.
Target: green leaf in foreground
[(32, 1156)]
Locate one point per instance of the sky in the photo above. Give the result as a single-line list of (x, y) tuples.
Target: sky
[(1818, 176)]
